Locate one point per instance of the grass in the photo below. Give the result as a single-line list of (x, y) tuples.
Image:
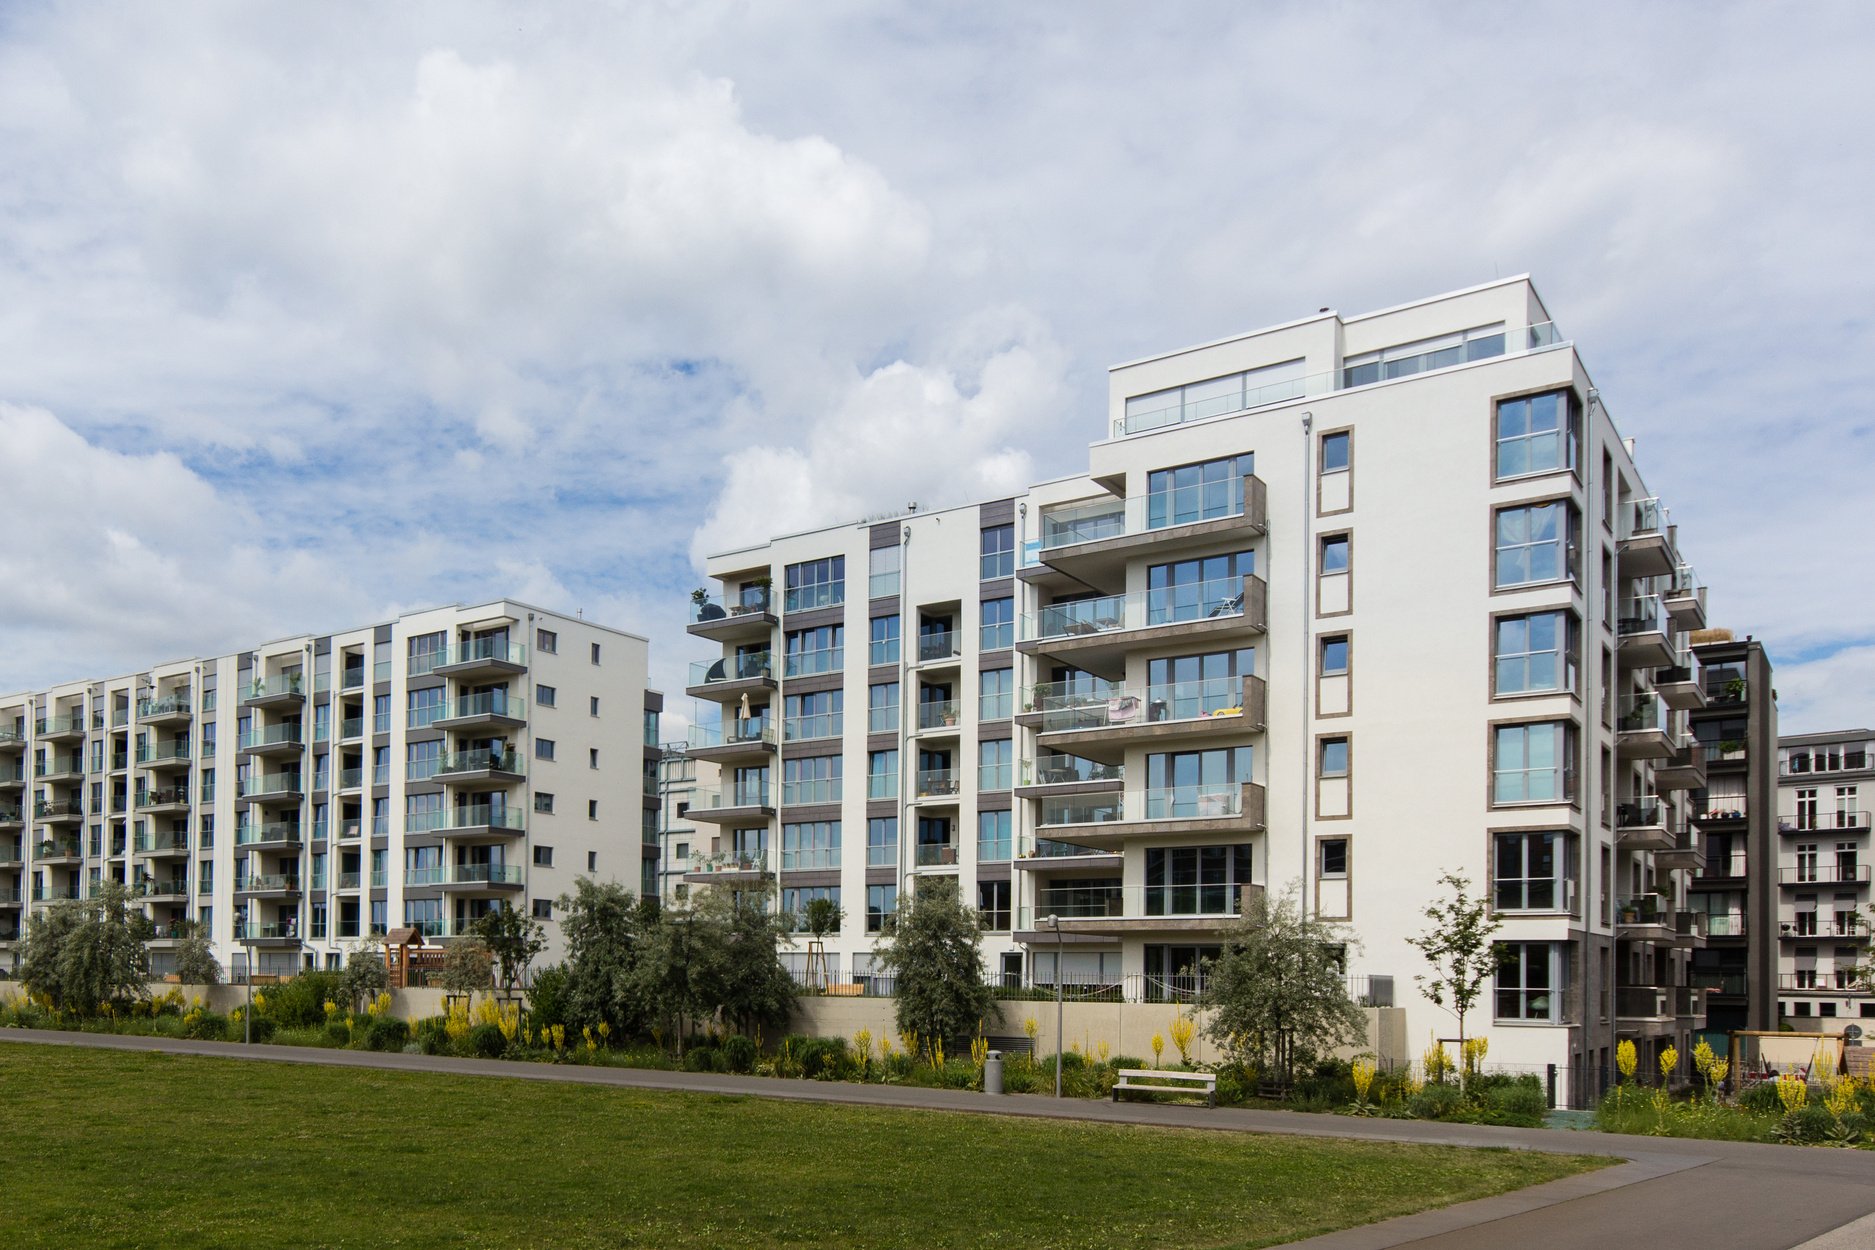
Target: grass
[(136, 1149)]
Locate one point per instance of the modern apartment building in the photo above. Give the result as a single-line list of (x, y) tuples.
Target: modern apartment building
[(1823, 862), (294, 798), (1734, 815), (1343, 603)]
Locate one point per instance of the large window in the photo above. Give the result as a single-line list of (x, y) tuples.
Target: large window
[(882, 580), (882, 842), (820, 650), (1530, 979), (993, 836), (815, 844), (1536, 434), (1535, 653), (999, 624), (794, 901), (817, 715), (1186, 687), (1533, 763), (882, 647), (882, 708), (426, 652), (1214, 397), (993, 906), (1196, 880), (881, 908), (998, 549), (1196, 492), (882, 775), (996, 692), (425, 707), (1535, 544), (994, 764), (1191, 590), (1185, 785), (816, 584), (815, 779), (1405, 359), (1529, 871)]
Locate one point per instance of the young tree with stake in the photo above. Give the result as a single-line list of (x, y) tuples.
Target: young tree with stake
[(1461, 948)]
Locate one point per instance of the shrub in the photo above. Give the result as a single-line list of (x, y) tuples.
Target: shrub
[(546, 1001), (205, 1026), (700, 1059), (336, 1032), (1761, 1098), (822, 1058), (431, 1034), (1522, 1102), (259, 1029), (486, 1042), (738, 1053), (1436, 1102), (1127, 1061), (386, 1033), (300, 1003)]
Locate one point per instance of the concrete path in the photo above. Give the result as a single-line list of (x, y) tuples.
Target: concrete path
[(1668, 1195)]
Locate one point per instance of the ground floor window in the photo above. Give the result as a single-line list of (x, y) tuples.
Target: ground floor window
[(1530, 980)]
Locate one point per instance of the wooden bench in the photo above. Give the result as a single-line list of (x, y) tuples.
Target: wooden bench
[(1151, 1082)]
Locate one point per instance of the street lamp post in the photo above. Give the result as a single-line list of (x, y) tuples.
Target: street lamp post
[(1054, 922)]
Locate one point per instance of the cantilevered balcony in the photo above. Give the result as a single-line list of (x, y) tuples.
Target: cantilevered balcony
[(55, 766), (1092, 542), (1126, 910), (1824, 823), (1056, 774), (11, 818), (1097, 634), (1679, 684), (727, 680), (268, 885), (167, 844), (1644, 1010), (728, 868), (749, 618), (1109, 822), (1684, 855), (162, 889), (51, 851), (1183, 714), (69, 728), (1047, 857), (12, 776), (1641, 824), (281, 740), (12, 741), (1644, 918), (277, 835), (1645, 633), (172, 709), (157, 799), (164, 757), (748, 803), (272, 788), (58, 811), (1645, 728), (1685, 599), (65, 893), (1685, 769), (936, 787), (483, 657), (736, 741), (480, 878), (1799, 876), (471, 820), (480, 766), (1645, 549), (268, 933), (282, 691), (490, 709)]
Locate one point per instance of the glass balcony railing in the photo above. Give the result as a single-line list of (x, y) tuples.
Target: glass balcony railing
[(467, 816), (489, 703), (815, 790), (273, 930), (262, 882), (162, 797), (755, 665), (164, 753), (173, 705), (352, 678), (936, 783), (1640, 615), (754, 731), (287, 734), (936, 854), (271, 783), (1643, 909), (730, 861), (744, 794), (938, 714), (1645, 713), (1029, 846), (59, 726), (270, 687), (481, 759), (819, 660), (1645, 517), (750, 601), (351, 880), (1141, 514), (1195, 802), (1051, 769), (1222, 899), (1067, 706), (1079, 810), (486, 874), (273, 831), (1639, 811), (351, 778), (818, 595), (498, 650), (351, 727), (940, 644), (1220, 597)]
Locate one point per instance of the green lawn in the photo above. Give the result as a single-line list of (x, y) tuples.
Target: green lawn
[(128, 1149)]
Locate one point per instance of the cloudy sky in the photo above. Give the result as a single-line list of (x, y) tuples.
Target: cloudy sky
[(314, 313)]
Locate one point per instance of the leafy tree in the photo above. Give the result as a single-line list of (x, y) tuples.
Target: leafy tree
[(744, 979), (515, 939), (195, 957), (936, 959), (364, 976), (468, 967), (604, 926), (1277, 991), (822, 916), (86, 953), (1460, 948)]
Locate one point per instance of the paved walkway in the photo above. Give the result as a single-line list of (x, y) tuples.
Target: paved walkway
[(1670, 1193)]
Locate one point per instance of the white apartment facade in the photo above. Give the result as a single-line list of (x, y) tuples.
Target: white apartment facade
[(1345, 603), (295, 798), (1825, 783)]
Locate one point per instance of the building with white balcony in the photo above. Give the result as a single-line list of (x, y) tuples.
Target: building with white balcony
[(300, 796), (1345, 603), (1825, 782)]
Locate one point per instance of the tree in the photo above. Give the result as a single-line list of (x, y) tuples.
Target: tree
[(935, 958), (1461, 950), (744, 979), (1277, 992), (84, 954), (822, 916), (603, 927), (468, 968), (364, 976), (514, 939), (195, 957)]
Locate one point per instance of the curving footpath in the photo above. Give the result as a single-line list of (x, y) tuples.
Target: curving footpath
[(1672, 1193)]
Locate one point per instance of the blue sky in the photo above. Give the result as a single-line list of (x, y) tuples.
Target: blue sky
[(312, 314)]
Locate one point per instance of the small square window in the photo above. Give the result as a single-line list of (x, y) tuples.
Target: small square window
[(544, 696), (1335, 452), (1335, 655), (543, 748), (592, 757), (592, 861), (543, 856), (543, 802), (593, 703), (592, 809), (1332, 858), (595, 653), (543, 909), (1334, 757), (546, 640), (1335, 554), (681, 852)]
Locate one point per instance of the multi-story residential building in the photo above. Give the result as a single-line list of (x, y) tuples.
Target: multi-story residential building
[(1343, 603), (297, 797), (1734, 887), (1823, 859), (677, 783)]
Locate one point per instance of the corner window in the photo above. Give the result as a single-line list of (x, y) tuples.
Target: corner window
[(1533, 763), (1535, 544), (1536, 434), (1535, 653), (1530, 978)]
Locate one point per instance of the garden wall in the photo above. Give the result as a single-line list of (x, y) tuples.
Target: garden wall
[(413, 1004)]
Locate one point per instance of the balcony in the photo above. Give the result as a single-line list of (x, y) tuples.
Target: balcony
[(1103, 724), (1683, 855), (350, 881), (1054, 774), (727, 680), (12, 740), (749, 803), (59, 728), (51, 851), (163, 799), (271, 788), (1823, 874), (750, 619), (1125, 910), (739, 739), (938, 786), (351, 729), (1720, 812), (1717, 981), (271, 933), (60, 768), (1726, 925), (1644, 730), (1726, 755), (162, 889), (268, 885), (1091, 543), (1645, 636), (938, 718), (1679, 685), (1644, 1005), (939, 649), (1645, 918), (1825, 823), (58, 811), (470, 820), (280, 835), (1685, 769), (1109, 823), (483, 877), (482, 657), (1725, 870), (1045, 856), (1645, 550), (1685, 599), (56, 893), (1097, 634), (728, 868), (1810, 926), (164, 757), (11, 818), (1641, 824), (174, 842), (1837, 983), (168, 710), (480, 766), (283, 691), (491, 709), (935, 855), (12, 777)]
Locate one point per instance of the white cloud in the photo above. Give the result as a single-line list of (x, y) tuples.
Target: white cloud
[(1834, 692)]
